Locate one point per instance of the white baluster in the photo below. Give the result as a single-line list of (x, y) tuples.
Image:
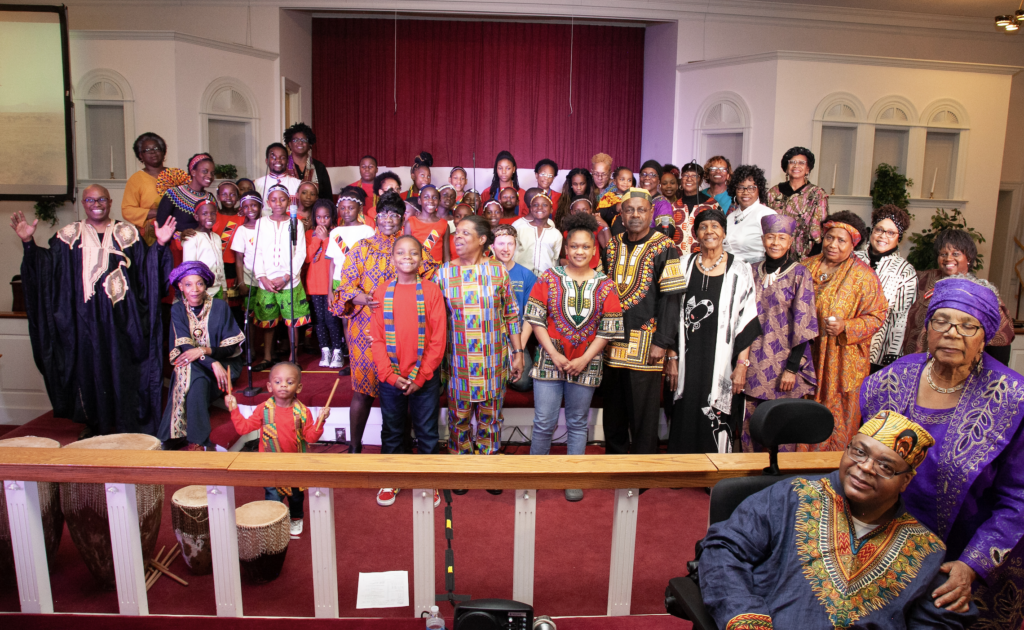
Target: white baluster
[(525, 537), (227, 579), (126, 544), (26, 520), (423, 550), (620, 581), (325, 558)]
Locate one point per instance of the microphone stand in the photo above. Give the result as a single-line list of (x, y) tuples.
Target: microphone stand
[(293, 335), (251, 391)]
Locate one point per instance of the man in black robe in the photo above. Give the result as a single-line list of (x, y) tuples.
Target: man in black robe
[(93, 302)]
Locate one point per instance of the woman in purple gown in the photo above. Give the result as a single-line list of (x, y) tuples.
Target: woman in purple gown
[(970, 489)]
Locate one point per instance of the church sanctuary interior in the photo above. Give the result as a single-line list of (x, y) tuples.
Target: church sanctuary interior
[(389, 314)]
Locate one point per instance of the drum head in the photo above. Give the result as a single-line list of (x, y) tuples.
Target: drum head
[(190, 496), (260, 513), (121, 442), (30, 441)]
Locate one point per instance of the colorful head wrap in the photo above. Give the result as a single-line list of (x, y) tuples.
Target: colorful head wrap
[(191, 268), (541, 194), (170, 178), (854, 232), (778, 224), (197, 158), (968, 296), (910, 440), (635, 192), (883, 214)]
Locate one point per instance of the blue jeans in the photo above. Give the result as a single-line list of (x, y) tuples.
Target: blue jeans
[(422, 408), (547, 399), (295, 502)]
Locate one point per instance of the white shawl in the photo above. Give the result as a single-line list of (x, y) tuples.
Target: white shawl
[(737, 307)]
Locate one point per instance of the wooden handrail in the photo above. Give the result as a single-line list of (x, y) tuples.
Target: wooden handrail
[(402, 471)]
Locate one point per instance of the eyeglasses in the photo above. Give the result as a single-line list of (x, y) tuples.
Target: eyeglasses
[(717, 169), (152, 150), (300, 140), (746, 189), (797, 163), (692, 176), (89, 201), (545, 176), (637, 210), (889, 233), (882, 469), (964, 330)]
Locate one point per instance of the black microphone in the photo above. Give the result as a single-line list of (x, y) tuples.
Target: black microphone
[(293, 212)]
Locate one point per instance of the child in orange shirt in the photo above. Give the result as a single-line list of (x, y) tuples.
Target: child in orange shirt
[(318, 285), (281, 432)]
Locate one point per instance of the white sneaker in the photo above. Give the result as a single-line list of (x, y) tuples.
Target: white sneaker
[(325, 357), (336, 359), (386, 496), (296, 527)]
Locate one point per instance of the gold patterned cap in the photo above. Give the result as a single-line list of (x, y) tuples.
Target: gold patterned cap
[(909, 439)]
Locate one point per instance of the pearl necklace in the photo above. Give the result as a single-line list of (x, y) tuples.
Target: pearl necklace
[(700, 262), (941, 390)]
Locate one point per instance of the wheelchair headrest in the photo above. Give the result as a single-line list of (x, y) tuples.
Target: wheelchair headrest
[(791, 421)]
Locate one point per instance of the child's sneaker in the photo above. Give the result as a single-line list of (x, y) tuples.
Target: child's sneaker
[(295, 528), (325, 357), (437, 499), (337, 361), (386, 496)]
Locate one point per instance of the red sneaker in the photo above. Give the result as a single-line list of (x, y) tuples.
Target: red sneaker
[(386, 496)]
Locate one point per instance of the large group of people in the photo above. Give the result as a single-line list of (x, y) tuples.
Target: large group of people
[(695, 290)]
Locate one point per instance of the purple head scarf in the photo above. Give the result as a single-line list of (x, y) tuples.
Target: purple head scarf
[(971, 298), (191, 268), (778, 224)]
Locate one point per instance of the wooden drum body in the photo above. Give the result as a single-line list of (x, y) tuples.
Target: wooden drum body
[(49, 505), (263, 536), (190, 518), (85, 509)]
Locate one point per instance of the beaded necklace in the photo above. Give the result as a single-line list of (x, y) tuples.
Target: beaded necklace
[(389, 327)]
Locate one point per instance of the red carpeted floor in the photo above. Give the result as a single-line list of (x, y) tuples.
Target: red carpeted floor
[(572, 553)]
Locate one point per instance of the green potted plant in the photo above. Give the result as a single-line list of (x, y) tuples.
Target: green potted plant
[(225, 171), (46, 210), (922, 253), (890, 187)]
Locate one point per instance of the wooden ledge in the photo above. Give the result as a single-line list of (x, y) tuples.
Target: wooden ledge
[(753, 464), (101, 466)]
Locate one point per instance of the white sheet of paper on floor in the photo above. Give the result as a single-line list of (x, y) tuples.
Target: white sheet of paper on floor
[(389, 589)]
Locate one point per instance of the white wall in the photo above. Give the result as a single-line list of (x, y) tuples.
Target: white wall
[(297, 57), (659, 91)]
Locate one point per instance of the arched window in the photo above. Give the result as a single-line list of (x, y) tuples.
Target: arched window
[(836, 122), (228, 122), (945, 148), (893, 117), (105, 127), (723, 126)]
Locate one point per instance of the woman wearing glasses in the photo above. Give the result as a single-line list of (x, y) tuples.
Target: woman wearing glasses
[(956, 254), (689, 203), (898, 278), (141, 197), (799, 198), (717, 174), (970, 489), (747, 189), (302, 165)]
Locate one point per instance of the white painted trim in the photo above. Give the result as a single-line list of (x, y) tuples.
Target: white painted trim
[(207, 113), (524, 539), (325, 556), (185, 38), (126, 544), (894, 100), (943, 104), (127, 101), (701, 132), (620, 576), (423, 550), (863, 60), (227, 576), (1011, 252), (835, 98), (28, 545)]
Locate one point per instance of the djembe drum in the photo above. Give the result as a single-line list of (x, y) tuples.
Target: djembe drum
[(190, 518), (85, 509), (49, 506), (262, 539)]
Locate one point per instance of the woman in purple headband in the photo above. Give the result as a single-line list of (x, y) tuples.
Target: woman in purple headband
[(970, 488)]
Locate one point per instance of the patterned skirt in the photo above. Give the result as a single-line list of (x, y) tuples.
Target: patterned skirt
[(364, 372)]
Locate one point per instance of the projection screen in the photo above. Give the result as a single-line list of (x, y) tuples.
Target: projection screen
[(36, 159)]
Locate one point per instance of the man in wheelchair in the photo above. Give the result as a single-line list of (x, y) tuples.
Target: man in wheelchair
[(836, 551)]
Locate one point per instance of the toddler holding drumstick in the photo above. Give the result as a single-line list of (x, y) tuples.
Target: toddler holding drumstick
[(278, 432)]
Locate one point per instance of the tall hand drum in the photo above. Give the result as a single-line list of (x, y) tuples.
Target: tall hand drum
[(49, 505), (85, 509), (262, 539), (190, 518)]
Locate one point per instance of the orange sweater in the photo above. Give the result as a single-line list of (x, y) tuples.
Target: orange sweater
[(284, 422), (406, 332), (318, 274)]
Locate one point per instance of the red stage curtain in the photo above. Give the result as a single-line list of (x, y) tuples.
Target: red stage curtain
[(476, 87)]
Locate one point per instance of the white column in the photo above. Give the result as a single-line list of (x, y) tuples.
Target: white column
[(126, 544), (423, 550), (324, 547), (227, 579), (620, 580), (525, 536), (26, 520)]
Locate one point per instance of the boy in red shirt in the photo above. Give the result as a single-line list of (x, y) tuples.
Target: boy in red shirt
[(280, 431), (409, 329)]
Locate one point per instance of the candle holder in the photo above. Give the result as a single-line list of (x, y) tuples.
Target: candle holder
[(931, 195), (833, 191), (111, 174)]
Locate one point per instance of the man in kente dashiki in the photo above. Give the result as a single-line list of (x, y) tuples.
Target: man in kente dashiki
[(837, 551)]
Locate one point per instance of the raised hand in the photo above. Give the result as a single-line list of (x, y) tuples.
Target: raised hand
[(23, 228), (165, 232)]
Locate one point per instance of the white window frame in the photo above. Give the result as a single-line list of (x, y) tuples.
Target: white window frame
[(126, 100), (865, 139), (701, 130), (915, 138), (961, 127), (207, 111)]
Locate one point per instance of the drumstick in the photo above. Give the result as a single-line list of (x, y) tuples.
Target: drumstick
[(150, 570), (164, 570), (327, 405)]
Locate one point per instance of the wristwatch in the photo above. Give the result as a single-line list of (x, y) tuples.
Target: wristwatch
[(518, 351), (745, 362)]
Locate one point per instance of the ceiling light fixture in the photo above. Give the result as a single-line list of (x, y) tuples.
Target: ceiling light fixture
[(1011, 23)]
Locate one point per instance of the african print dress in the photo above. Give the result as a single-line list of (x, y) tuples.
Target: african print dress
[(367, 266), (180, 202), (808, 206), (852, 293), (684, 211), (970, 488)]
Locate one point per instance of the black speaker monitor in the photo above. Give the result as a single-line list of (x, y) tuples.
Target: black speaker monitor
[(493, 614)]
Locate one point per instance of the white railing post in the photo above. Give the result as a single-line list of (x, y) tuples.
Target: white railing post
[(620, 579), (26, 521), (525, 537), (126, 544), (324, 547), (423, 550), (227, 579)]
